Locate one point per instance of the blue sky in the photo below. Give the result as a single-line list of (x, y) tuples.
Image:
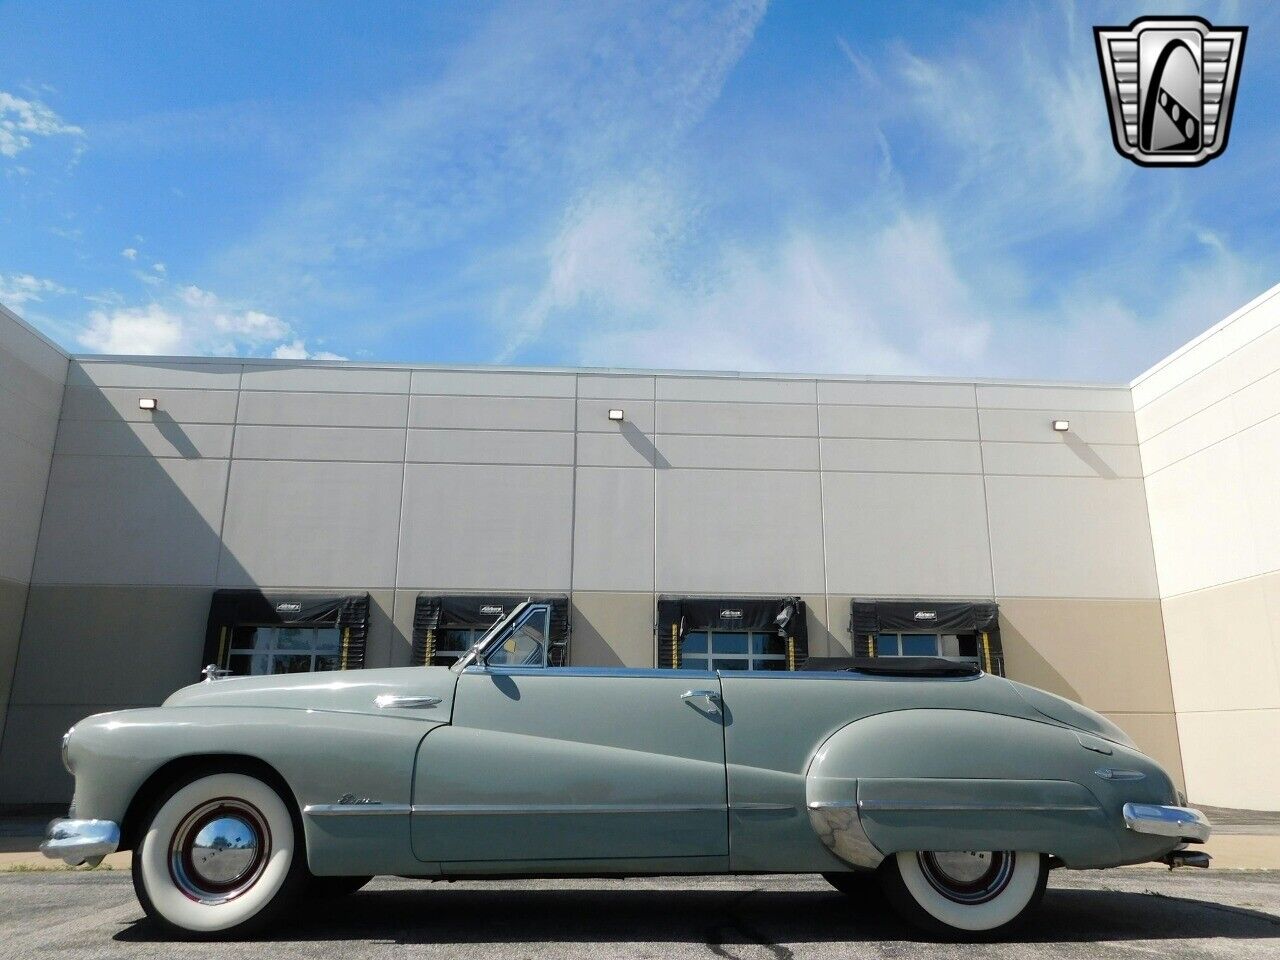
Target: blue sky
[(896, 188)]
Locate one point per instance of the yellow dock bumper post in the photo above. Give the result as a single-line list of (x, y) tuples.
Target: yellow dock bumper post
[(222, 648)]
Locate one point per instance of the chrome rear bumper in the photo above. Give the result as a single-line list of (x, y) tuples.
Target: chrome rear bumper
[(1183, 823), (76, 841)]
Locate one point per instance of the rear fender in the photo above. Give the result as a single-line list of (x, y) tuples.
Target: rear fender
[(959, 780)]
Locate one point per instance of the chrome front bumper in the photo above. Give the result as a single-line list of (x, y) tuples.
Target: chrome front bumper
[(76, 841), (1182, 823)]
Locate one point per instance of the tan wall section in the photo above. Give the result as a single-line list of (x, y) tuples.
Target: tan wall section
[(1208, 420), (1232, 757), (33, 375), (1106, 654), (1224, 654), (116, 647), (13, 599), (612, 630), (114, 644)]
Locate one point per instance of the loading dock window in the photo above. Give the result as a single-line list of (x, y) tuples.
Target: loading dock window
[(447, 626), (950, 645), (733, 650), (453, 642), (259, 650)]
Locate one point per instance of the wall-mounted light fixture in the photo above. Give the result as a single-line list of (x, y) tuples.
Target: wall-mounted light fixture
[(148, 403), (1062, 426), (616, 415)]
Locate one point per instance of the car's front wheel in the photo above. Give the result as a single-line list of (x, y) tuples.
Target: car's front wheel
[(974, 894), (219, 854)]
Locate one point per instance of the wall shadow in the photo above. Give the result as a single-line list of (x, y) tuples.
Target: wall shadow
[(126, 562), (642, 445), (438, 914), (1087, 455)]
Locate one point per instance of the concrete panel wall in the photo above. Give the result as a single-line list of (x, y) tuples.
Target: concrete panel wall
[(33, 374), (1210, 439), (394, 481)]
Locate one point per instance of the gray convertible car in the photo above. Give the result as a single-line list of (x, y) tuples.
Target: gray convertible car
[(956, 790)]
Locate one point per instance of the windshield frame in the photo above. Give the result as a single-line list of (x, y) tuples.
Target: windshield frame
[(481, 647)]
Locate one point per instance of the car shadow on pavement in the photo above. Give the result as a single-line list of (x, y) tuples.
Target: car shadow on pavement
[(713, 917)]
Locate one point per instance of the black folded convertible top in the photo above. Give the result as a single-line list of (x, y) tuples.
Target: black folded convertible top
[(895, 666)]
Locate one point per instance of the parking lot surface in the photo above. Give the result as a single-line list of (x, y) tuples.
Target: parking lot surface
[(1126, 913)]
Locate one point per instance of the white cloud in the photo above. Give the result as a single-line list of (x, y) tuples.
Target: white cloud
[(20, 288), (619, 290), (297, 350), (158, 267), (152, 330), (20, 120), (189, 321), (536, 101), (129, 253), (989, 228)]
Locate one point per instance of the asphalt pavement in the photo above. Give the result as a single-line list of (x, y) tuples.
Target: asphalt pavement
[(1117, 913)]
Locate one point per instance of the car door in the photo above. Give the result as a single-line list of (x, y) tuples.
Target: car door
[(572, 764)]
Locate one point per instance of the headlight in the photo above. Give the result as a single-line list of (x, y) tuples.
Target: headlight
[(66, 743)]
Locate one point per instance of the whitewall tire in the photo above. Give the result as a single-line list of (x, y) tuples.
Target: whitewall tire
[(219, 855), (965, 894)]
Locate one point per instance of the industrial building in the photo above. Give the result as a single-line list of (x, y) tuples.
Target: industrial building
[(1118, 544)]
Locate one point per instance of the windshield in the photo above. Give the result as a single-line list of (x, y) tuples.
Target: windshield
[(524, 643)]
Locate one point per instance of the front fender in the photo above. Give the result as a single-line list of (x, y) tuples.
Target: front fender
[(968, 780), (322, 756)]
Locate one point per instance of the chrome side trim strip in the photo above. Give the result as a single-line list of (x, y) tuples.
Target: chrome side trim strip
[(833, 804), (1115, 773), (520, 809), (386, 701), (973, 807), (761, 806), (356, 809)]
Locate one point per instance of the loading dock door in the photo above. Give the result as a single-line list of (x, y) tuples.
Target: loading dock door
[(958, 630), (252, 633), (731, 633), (445, 626)]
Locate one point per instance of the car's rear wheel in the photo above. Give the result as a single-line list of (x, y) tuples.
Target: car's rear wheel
[(218, 854), (963, 895)]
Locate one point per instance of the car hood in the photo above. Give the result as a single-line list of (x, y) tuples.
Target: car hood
[(354, 690)]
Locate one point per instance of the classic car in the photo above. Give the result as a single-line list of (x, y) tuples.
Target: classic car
[(957, 790)]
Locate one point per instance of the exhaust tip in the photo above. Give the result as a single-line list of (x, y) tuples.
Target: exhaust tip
[(1186, 858)]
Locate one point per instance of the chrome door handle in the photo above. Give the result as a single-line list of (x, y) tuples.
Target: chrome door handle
[(712, 698), (387, 701)]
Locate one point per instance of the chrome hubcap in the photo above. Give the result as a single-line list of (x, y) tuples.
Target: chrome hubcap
[(969, 877), (219, 850)]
